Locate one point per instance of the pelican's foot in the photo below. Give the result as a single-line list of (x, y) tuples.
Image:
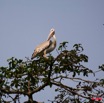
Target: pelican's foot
[(45, 57)]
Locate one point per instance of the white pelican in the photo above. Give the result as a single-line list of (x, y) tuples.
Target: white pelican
[(47, 46)]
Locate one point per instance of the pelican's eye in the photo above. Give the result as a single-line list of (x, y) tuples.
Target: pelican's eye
[(52, 29)]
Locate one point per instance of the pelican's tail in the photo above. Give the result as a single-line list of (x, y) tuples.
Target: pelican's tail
[(34, 55)]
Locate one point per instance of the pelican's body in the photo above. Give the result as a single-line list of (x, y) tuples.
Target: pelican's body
[(47, 46)]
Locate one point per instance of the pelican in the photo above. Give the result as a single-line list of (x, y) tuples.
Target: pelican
[(47, 46)]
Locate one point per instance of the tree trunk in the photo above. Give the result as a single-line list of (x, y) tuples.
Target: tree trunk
[(30, 99)]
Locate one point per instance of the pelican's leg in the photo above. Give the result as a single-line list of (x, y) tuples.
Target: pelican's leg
[(45, 55)]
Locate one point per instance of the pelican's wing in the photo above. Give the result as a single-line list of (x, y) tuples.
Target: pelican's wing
[(40, 48)]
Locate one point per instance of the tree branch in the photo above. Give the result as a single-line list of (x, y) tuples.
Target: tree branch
[(66, 77), (70, 89), (5, 90), (40, 88)]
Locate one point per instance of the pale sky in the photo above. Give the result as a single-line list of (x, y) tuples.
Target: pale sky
[(26, 23)]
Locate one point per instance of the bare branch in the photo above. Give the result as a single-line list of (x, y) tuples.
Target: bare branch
[(70, 89), (40, 88), (5, 90)]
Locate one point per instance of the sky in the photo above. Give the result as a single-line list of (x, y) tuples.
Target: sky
[(26, 23)]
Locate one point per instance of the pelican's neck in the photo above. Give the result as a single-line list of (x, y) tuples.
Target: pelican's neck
[(54, 40), (49, 37)]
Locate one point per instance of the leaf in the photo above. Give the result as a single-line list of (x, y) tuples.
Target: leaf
[(78, 47), (84, 58), (20, 61), (62, 45), (74, 74), (101, 67)]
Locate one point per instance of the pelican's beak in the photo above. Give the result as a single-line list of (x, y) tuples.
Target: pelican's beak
[(52, 32), (50, 35)]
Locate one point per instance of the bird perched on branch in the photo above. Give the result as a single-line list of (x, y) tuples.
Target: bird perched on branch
[(46, 47)]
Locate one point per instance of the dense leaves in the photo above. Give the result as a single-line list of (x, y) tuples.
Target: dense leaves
[(29, 77)]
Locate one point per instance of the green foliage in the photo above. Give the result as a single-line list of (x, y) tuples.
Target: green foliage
[(101, 67), (29, 77)]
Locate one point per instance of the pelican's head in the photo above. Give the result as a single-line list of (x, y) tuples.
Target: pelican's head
[(51, 34)]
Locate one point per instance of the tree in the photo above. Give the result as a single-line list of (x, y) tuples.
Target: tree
[(29, 77)]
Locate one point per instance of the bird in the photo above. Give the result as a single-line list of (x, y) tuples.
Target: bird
[(45, 47)]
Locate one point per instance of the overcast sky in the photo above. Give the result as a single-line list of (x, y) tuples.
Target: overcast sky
[(26, 23)]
